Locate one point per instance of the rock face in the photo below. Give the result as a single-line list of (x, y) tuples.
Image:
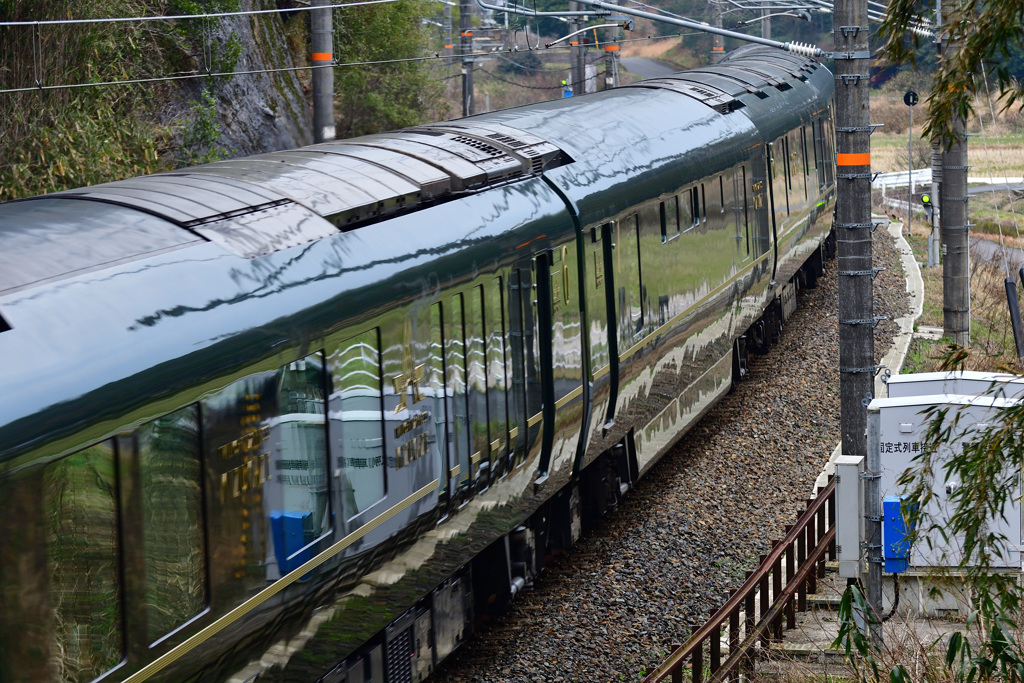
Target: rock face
[(256, 112)]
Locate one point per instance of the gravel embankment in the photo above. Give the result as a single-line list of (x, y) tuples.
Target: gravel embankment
[(662, 563)]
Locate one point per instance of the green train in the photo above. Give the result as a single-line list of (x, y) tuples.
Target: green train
[(302, 416)]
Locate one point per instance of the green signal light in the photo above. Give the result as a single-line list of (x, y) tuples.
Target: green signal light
[(926, 199)]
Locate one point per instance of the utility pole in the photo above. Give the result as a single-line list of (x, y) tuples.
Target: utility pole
[(466, 49), (766, 22), (717, 42), (856, 274), (611, 57), (448, 44), (578, 70), (954, 229), (321, 31), (934, 239)]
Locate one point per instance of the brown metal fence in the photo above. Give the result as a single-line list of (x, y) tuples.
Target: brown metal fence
[(768, 599)]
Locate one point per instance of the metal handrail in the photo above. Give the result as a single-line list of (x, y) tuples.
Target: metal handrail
[(692, 649)]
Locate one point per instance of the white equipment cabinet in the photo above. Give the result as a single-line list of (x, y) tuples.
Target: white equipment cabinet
[(902, 427), (968, 383)]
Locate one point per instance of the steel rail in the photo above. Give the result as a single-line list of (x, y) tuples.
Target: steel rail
[(816, 525)]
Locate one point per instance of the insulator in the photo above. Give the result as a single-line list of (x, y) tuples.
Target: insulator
[(805, 49)]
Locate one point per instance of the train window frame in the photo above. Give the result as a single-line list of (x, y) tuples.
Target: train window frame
[(746, 207), (156, 638), (116, 546), (353, 517), (686, 208), (670, 209)]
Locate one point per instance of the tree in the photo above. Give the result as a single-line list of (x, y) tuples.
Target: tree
[(989, 41), (389, 88)]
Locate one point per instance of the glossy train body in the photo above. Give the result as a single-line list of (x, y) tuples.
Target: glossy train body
[(301, 416)]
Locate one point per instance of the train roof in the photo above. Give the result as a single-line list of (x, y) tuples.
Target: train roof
[(265, 203)]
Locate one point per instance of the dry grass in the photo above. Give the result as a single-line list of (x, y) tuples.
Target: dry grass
[(992, 344), (651, 49)]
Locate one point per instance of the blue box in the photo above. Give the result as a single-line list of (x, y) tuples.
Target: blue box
[(288, 529), (895, 532)]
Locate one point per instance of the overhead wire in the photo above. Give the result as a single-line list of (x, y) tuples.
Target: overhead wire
[(178, 17), (39, 87)]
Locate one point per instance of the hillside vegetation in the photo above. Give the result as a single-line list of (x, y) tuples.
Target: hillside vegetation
[(167, 107)]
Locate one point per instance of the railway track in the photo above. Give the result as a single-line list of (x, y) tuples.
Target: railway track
[(658, 566)]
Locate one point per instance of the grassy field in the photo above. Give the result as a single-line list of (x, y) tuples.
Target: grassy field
[(995, 155), (992, 343)]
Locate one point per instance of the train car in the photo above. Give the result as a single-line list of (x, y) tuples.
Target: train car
[(303, 416)]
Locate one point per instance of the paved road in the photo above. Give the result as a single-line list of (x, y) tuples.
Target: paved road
[(647, 68), (992, 251)]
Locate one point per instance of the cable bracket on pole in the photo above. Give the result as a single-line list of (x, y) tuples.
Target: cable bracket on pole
[(872, 272), (848, 31), (873, 369), (855, 176), (871, 475), (855, 78), (853, 226), (852, 55), (956, 168), (956, 199), (865, 321), (966, 228), (869, 129)]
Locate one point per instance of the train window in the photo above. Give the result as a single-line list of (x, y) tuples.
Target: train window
[(456, 389), (357, 437), (266, 457), (627, 282), (172, 523), (797, 166), (671, 217), (721, 194), (811, 161), (728, 209), (780, 195), (686, 213), (80, 505)]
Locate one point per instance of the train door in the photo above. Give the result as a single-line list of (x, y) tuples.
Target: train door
[(760, 218), (561, 356), (742, 217), (524, 338), (601, 324), (497, 377), (776, 194), (436, 388), (476, 387), (457, 396), (628, 301)]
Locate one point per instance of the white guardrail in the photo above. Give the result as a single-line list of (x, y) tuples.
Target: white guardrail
[(922, 177), (883, 181)]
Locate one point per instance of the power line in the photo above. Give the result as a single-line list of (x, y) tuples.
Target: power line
[(174, 17), (220, 74), (217, 74), (523, 66), (520, 85)]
